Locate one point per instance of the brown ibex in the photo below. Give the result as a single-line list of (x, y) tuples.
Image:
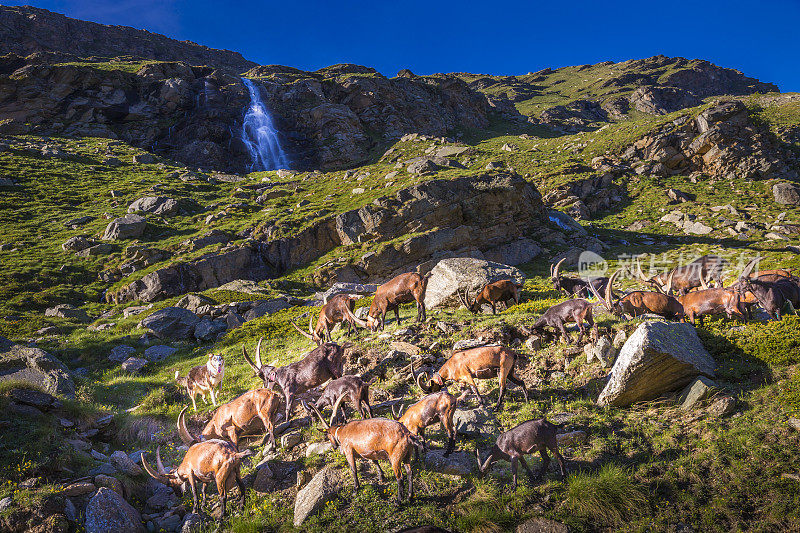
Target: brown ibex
[(577, 311), (374, 439), (402, 289), (696, 304), (698, 273), (321, 364), (523, 439), (483, 362), (337, 310), (492, 293), (203, 379), (574, 286), (347, 386), (639, 303), (234, 418), (436, 407), (211, 461)]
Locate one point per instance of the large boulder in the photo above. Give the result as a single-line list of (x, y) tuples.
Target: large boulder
[(108, 511), (455, 464), (449, 276), (474, 422), (67, 311), (155, 205), (322, 488), (786, 193), (131, 226), (172, 323), (266, 307), (39, 369), (660, 357)]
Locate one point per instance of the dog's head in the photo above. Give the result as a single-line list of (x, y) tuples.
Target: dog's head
[(216, 363)]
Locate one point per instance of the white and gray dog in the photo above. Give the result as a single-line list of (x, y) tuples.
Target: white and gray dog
[(203, 379)]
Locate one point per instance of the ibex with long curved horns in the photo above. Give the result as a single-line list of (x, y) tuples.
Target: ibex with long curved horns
[(210, 461), (639, 303), (696, 274), (574, 286)]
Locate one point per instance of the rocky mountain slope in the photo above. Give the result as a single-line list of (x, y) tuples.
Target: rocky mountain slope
[(134, 242)]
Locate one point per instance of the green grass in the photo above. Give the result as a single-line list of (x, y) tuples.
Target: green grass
[(609, 496)]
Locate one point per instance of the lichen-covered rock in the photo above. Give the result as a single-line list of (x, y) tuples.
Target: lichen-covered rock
[(155, 205), (108, 511), (131, 226), (659, 357), (322, 488), (34, 366), (172, 323), (449, 276)]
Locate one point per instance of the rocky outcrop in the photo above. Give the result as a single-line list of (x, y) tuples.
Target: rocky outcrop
[(463, 216), (657, 100), (449, 276), (172, 323), (31, 30), (129, 226), (659, 357), (722, 142), (786, 193), (108, 511), (322, 488), (154, 205), (36, 367), (583, 198)]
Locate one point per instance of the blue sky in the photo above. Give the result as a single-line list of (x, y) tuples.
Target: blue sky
[(759, 38)]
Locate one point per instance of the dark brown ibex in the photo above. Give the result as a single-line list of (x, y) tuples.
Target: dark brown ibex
[(347, 386), (572, 287), (523, 439), (374, 439), (321, 364), (577, 311), (211, 461), (482, 362), (773, 296), (698, 273), (337, 310), (491, 294)]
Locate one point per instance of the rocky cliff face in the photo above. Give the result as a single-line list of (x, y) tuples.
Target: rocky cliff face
[(29, 30), (497, 217)]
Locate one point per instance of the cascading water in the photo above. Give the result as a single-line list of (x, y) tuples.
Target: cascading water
[(260, 135)]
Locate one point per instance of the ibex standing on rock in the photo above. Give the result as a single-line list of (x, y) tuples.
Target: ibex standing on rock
[(210, 461), (318, 366), (373, 439)]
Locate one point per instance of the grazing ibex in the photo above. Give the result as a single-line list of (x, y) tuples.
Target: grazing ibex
[(373, 439), (210, 461), (574, 286), (234, 418), (577, 311), (639, 303), (483, 362), (696, 304), (337, 310), (492, 293), (321, 364), (436, 407), (203, 379), (773, 296), (348, 386), (698, 273), (403, 289), (524, 439)]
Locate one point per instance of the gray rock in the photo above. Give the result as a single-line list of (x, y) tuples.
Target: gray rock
[(123, 463), (67, 311), (38, 399), (108, 511), (346, 288), (602, 350), (448, 276), (474, 422), (5, 503), (795, 423), (159, 352), (79, 488), (566, 222), (98, 249), (69, 510), (144, 159), (310, 499), (104, 468), (36, 367), (162, 498), (135, 310), (266, 307), (696, 228), (207, 329), (172, 323), (131, 226), (119, 353), (572, 438), (658, 358), (466, 344), (318, 448), (169, 523), (723, 407), (696, 391), (422, 165), (264, 480), (80, 221), (514, 253), (134, 364), (193, 302), (290, 440), (76, 244), (456, 464), (192, 523), (102, 480), (233, 320), (786, 193), (619, 339)]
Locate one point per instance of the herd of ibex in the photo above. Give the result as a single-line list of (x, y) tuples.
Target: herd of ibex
[(214, 456)]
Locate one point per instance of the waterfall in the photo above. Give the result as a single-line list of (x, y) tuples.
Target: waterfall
[(260, 135)]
